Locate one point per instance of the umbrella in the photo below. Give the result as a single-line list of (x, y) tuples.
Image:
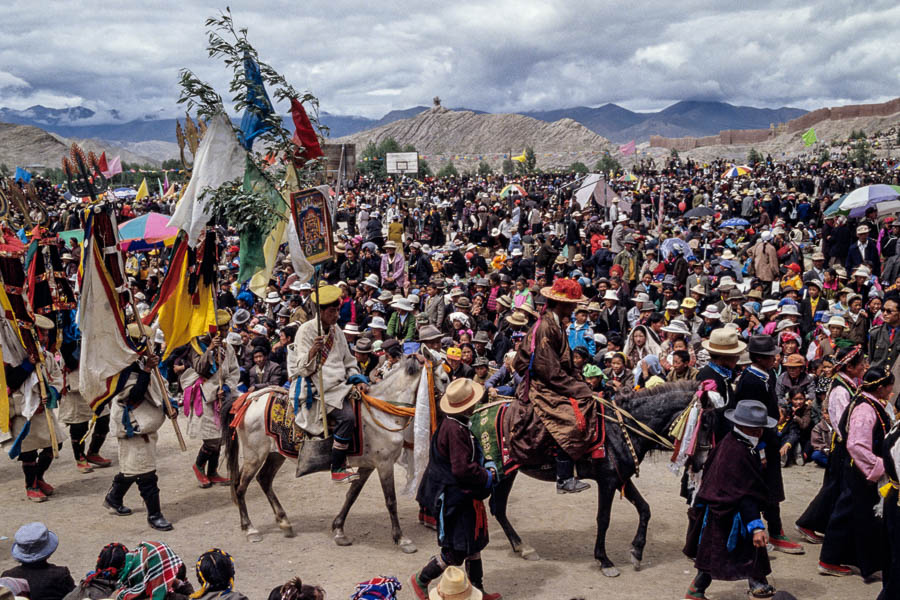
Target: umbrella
[(669, 245), (147, 231), (628, 177), (736, 171), (826, 164), (700, 211), (513, 187), (734, 223), (124, 193), (859, 200)]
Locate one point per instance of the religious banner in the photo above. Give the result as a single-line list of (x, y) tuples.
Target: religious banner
[(312, 219)]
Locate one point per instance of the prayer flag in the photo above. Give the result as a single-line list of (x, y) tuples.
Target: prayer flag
[(220, 158), (259, 107), (160, 185), (304, 134), (114, 168), (142, 191), (22, 175), (520, 158), (809, 138), (627, 149), (101, 319), (101, 162), (253, 241), (186, 308)]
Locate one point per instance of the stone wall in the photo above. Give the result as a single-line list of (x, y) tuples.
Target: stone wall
[(756, 136)]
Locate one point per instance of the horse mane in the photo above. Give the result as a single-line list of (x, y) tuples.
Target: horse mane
[(668, 398)]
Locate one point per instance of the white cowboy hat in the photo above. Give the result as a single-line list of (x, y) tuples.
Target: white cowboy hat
[(371, 281), (610, 295), (769, 305), (790, 309), (836, 321), (402, 304), (711, 312), (273, 298), (377, 323), (677, 326)]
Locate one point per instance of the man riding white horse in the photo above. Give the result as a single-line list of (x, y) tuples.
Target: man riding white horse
[(320, 345)]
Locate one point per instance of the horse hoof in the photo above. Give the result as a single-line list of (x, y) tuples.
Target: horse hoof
[(288, 531), (610, 571), (342, 540), (408, 547), (635, 561), (254, 536), (529, 553)]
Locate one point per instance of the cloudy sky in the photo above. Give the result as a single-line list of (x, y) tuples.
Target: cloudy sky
[(497, 55)]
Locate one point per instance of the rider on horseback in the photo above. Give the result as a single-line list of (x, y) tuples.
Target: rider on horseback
[(554, 405), (325, 348)]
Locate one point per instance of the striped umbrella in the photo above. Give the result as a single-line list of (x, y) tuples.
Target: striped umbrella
[(736, 171)]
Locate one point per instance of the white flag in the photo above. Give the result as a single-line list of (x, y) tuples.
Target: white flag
[(220, 158)]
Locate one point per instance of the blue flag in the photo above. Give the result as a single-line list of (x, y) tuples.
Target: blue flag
[(252, 123), (22, 175)]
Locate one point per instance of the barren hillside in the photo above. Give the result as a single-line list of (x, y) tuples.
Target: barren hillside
[(467, 137)]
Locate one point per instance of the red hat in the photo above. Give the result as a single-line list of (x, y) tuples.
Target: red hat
[(794, 267)]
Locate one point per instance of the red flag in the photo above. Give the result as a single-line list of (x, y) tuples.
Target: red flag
[(628, 149), (304, 134), (102, 163)]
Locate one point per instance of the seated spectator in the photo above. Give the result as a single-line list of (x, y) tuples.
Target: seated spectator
[(593, 375), (297, 590), (215, 572), (681, 367), (820, 439), (505, 380), (794, 378), (33, 545), (153, 571), (104, 579), (794, 428)]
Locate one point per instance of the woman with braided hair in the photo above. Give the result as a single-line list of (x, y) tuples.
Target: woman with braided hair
[(295, 589), (104, 579), (215, 572)]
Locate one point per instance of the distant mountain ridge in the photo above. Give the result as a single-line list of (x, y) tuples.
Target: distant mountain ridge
[(618, 124)]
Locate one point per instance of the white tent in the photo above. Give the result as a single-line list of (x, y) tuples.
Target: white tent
[(593, 186)]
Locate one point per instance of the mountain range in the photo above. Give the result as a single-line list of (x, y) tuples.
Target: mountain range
[(618, 124)]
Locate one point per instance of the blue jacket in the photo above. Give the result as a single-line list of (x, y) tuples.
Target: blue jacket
[(581, 335)]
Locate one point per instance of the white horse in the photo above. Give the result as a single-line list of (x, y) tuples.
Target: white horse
[(383, 441)]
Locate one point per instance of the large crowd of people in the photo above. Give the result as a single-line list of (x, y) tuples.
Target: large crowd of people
[(681, 274)]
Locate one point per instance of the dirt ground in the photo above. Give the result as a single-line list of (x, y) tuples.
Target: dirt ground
[(561, 529)]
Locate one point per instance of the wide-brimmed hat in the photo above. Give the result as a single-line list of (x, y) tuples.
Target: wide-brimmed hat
[(42, 322), (241, 316), (517, 319), (560, 260), (610, 295), (724, 341), (677, 326), (429, 332), (769, 305), (363, 346), (505, 301), (351, 329), (528, 309), (460, 395), (698, 289), (594, 307), (836, 321), (564, 290), (750, 413), (402, 304), (482, 337), (327, 294), (463, 302), (377, 323), (689, 303), (234, 339), (790, 310), (481, 361), (711, 312), (795, 360), (390, 244), (763, 344), (273, 298), (454, 585), (371, 281), (33, 543), (223, 317)]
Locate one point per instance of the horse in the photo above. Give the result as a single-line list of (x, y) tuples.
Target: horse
[(383, 441), (656, 408)]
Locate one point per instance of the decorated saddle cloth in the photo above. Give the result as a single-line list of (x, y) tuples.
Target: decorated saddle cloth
[(280, 424), (487, 426)]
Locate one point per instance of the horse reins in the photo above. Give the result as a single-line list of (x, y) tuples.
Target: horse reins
[(641, 429)]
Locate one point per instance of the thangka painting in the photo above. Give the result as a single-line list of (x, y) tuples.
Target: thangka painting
[(313, 221)]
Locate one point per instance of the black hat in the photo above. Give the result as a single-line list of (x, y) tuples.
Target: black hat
[(763, 344), (751, 413)]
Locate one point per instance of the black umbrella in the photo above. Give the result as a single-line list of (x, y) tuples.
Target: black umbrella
[(700, 211)]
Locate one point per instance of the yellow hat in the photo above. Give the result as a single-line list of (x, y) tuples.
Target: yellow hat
[(454, 352), (689, 303), (327, 294), (134, 330), (223, 317)]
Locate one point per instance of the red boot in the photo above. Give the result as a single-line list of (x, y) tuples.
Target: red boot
[(98, 461), (45, 487), (35, 494), (203, 479)]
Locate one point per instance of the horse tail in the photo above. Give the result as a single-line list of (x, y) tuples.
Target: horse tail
[(232, 446)]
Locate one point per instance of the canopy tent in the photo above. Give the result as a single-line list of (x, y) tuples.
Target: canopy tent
[(594, 186)]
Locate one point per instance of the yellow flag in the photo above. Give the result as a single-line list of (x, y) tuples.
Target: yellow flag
[(182, 317), (260, 281), (519, 158), (142, 191)]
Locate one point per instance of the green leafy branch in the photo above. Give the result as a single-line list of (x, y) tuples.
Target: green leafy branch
[(242, 210)]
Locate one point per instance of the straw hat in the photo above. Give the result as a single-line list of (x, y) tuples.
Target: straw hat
[(724, 341), (42, 322), (517, 319), (454, 585), (328, 294), (223, 317)]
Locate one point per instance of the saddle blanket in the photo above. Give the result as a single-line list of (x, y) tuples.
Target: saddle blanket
[(486, 425), (280, 426)]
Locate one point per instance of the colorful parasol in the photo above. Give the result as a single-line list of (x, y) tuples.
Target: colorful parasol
[(145, 232), (513, 187), (736, 171), (628, 177), (859, 200)]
